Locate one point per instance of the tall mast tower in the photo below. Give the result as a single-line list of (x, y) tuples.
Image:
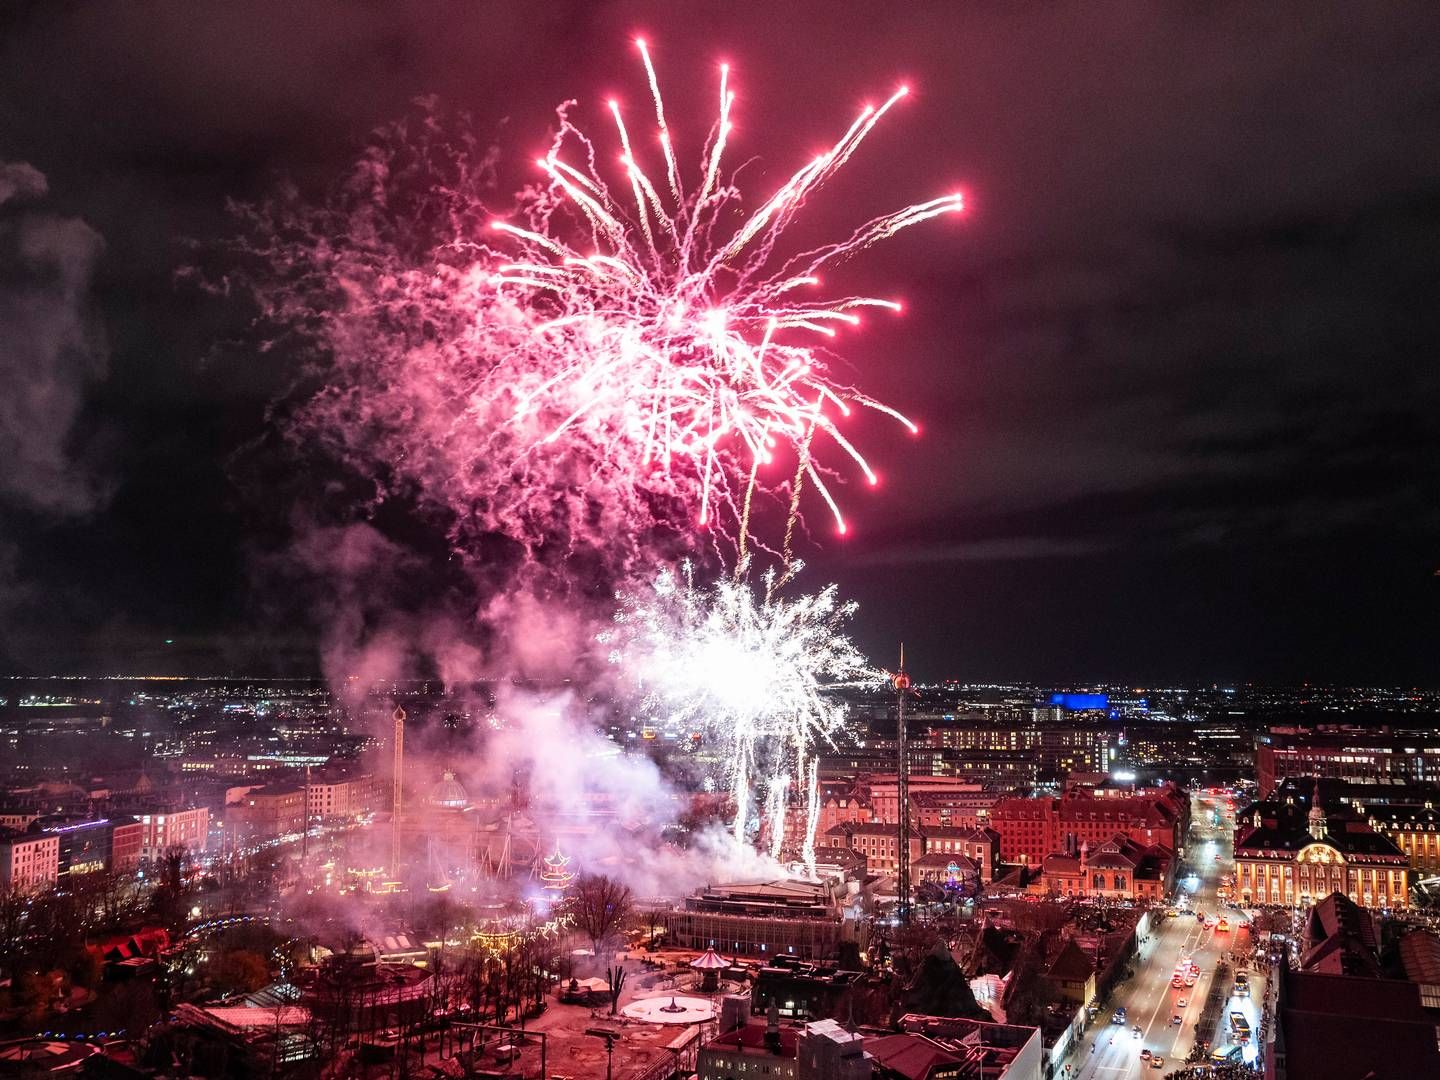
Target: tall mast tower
[(901, 682), (397, 793)]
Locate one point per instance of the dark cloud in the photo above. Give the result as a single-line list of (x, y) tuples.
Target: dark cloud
[(1176, 370), (52, 352), (51, 349)]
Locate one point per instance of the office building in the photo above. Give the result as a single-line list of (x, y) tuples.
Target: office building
[(1358, 755)]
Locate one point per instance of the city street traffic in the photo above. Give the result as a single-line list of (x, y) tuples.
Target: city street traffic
[(1161, 1019)]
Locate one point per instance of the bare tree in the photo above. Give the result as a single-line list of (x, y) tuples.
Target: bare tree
[(172, 888), (13, 906), (599, 905)]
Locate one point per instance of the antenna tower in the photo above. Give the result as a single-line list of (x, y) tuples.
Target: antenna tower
[(901, 682)]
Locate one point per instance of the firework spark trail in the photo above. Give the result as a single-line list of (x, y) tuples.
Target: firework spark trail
[(588, 367), (688, 350), (754, 670)]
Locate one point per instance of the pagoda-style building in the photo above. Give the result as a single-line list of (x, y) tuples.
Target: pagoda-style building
[(555, 873)]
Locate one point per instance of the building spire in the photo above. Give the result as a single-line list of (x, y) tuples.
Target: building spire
[(1318, 825)]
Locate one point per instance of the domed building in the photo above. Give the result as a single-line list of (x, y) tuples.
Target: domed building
[(449, 794)]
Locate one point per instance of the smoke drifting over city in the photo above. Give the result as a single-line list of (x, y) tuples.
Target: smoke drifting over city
[(808, 541)]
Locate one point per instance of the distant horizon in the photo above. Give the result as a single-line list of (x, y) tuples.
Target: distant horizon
[(1131, 686)]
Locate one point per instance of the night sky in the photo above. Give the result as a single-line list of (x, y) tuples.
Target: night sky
[(1176, 369)]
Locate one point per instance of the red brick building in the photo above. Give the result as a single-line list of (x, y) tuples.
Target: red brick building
[(843, 803), (1031, 829), (190, 827), (265, 813), (126, 838), (879, 843), (1119, 869)]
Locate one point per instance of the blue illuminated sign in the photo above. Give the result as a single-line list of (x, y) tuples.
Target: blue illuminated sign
[(1081, 702)]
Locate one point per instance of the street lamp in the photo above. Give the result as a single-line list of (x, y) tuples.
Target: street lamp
[(609, 1037)]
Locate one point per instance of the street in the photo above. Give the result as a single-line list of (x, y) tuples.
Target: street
[(1108, 1050)]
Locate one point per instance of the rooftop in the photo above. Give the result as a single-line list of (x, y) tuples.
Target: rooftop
[(909, 1055), (750, 1039), (1331, 1026)]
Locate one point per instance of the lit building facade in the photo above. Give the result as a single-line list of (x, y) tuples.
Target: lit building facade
[(755, 1050), (804, 919), (332, 797), (879, 842), (1031, 829), (189, 828), (266, 813), (85, 846), (1118, 869), (127, 836), (1359, 756), (29, 861), (1290, 856), (1414, 829)]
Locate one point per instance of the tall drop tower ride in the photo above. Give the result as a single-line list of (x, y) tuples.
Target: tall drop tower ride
[(397, 797), (901, 682)]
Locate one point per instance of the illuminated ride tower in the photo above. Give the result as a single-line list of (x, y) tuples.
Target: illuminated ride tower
[(901, 682), (397, 792)]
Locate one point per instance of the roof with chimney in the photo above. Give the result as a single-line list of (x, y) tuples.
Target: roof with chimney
[(758, 1036)]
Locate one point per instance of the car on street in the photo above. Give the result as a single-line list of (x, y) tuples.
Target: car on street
[(1119, 1017), (1145, 1054), (1175, 1018), (1157, 1062), (1135, 1031)]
